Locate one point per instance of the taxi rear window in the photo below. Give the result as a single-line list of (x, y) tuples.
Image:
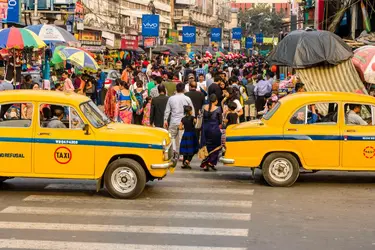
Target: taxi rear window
[(270, 113)]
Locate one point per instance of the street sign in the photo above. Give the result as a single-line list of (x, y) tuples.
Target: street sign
[(150, 25), (189, 34), (14, 11), (259, 38), (249, 42), (236, 33), (216, 35)]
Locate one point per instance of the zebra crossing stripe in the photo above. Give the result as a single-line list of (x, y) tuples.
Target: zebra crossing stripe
[(66, 245), (125, 213), (191, 190), (101, 200), (124, 228)]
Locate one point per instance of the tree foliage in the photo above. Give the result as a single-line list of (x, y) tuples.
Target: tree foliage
[(253, 21)]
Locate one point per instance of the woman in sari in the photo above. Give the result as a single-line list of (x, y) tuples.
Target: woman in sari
[(211, 133), (110, 101), (124, 103)]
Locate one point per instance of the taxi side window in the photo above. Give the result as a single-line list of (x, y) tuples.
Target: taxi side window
[(16, 115), (60, 117), (316, 113), (359, 114)]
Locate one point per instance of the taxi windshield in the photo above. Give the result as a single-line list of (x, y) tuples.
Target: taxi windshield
[(96, 117)]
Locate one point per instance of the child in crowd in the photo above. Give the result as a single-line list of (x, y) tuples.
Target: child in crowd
[(231, 116), (189, 141), (147, 112)]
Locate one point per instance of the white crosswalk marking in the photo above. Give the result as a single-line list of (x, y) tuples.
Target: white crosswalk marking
[(125, 213), (191, 190), (124, 229), (188, 210), (61, 245), (101, 200)]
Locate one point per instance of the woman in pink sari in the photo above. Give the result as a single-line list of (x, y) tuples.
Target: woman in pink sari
[(124, 101)]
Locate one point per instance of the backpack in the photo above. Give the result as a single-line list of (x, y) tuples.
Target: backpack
[(140, 102)]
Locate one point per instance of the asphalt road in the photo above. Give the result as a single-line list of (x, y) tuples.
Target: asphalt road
[(192, 210)]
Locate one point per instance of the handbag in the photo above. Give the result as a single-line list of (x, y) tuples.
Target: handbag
[(203, 153), (198, 124)]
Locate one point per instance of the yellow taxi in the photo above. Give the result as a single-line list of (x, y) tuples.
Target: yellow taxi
[(47, 134), (312, 131)]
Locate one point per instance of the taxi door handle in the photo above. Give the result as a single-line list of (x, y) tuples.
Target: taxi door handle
[(44, 134), (351, 130), (292, 129)]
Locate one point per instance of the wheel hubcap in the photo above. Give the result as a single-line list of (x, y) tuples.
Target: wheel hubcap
[(124, 180), (281, 169)]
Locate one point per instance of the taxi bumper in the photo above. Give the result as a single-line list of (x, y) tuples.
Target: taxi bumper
[(226, 160), (169, 164)]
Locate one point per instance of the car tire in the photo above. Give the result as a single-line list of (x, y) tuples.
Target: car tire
[(280, 169), (125, 179)]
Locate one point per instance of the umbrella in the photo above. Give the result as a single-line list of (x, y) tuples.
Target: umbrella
[(15, 38), (52, 33), (77, 57), (364, 62), (302, 49)]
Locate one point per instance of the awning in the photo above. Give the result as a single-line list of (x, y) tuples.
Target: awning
[(340, 78)]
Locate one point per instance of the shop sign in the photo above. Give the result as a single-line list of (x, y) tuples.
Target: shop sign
[(149, 42), (14, 11), (129, 42), (108, 35), (3, 9), (172, 36), (236, 44), (90, 38)]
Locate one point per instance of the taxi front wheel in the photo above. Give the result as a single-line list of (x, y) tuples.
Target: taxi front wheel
[(280, 169), (125, 178)]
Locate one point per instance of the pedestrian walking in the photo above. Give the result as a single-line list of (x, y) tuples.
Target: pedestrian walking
[(146, 112), (124, 107), (175, 110), (158, 106), (189, 140), (211, 134)]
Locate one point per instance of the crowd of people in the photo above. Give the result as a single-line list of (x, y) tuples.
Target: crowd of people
[(194, 100)]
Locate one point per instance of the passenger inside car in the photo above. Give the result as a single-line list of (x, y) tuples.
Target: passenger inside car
[(353, 117), (58, 115)]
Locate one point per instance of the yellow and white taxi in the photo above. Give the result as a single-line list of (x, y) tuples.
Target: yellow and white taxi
[(46, 134), (313, 131)]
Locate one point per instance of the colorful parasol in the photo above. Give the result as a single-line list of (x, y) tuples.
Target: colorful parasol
[(18, 38), (51, 34), (78, 58), (364, 62)]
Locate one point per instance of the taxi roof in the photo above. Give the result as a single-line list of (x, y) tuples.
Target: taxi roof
[(327, 96), (42, 96)]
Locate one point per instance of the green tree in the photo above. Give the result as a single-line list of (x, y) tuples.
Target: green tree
[(261, 19)]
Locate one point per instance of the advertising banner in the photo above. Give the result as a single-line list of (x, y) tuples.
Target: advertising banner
[(249, 42), (3, 9), (189, 34), (259, 38), (150, 25), (172, 36), (216, 35), (149, 42), (236, 44), (236, 33), (14, 11)]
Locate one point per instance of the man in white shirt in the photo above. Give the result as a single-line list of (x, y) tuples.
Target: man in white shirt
[(201, 83), (352, 118)]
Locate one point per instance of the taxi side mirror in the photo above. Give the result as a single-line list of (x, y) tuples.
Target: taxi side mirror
[(86, 129)]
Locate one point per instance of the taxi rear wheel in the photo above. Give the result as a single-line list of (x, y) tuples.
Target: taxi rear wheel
[(280, 169), (125, 179)]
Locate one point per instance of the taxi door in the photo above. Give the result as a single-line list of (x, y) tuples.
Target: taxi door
[(64, 151), (16, 132), (359, 142), (318, 142)]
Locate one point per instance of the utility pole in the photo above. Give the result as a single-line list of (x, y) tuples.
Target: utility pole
[(35, 18)]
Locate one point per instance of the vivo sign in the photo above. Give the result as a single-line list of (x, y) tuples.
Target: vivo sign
[(189, 34), (236, 33), (150, 25), (216, 34)]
